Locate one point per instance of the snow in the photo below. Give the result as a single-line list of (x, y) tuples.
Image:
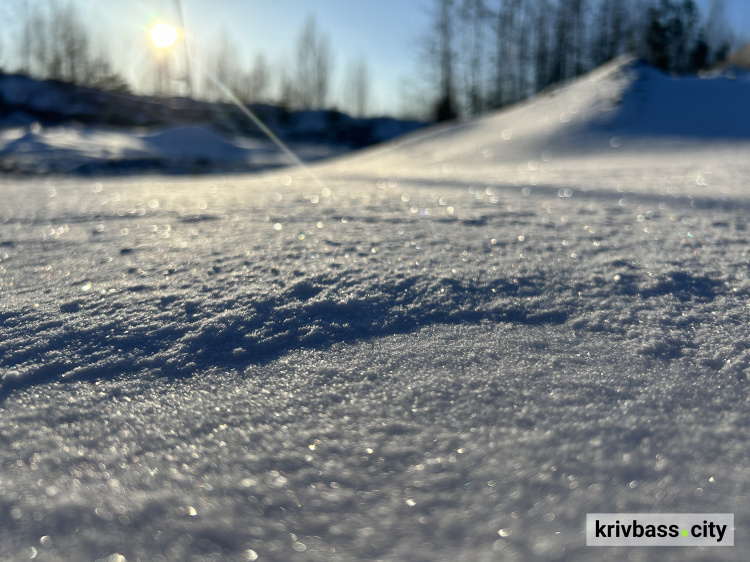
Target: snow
[(173, 149), (193, 142), (451, 347), (71, 129)]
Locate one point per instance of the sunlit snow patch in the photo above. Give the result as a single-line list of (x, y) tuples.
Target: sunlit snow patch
[(193, 143)]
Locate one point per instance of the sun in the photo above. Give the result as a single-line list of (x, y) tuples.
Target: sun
[(163, 35)]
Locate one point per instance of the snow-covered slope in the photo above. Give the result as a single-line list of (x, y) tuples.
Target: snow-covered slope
[(435, 350), (614, 116)]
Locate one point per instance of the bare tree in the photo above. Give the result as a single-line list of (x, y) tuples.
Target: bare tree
[(39, 47), (577, 36), (441, 54), (226, 72), (5, 15), (558, 69), (612, 34), (225, 67), (25, 48), (260, 79), (356, 87), (514, 29), (542, 46), (101, 72), (74, 42), (323, 67), (314, 65), (56, 44), (473, 21), (717, 33), (250, 86), (287, 90), (524, 53)]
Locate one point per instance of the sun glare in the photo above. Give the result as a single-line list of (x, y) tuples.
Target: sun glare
[(163, 35)]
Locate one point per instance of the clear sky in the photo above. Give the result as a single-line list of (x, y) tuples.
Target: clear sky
[(385, 32)]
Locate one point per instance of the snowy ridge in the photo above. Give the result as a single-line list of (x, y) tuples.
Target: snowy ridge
[(623, 110)]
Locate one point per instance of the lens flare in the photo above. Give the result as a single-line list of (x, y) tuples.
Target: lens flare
[(163, 35)]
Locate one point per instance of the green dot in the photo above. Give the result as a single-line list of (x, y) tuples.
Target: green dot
[(684, 532)]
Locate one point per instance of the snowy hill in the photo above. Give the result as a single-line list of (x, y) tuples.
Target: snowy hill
[(452, 347), (624, 110)]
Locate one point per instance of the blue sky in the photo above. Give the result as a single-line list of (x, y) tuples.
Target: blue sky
[(386, 33)]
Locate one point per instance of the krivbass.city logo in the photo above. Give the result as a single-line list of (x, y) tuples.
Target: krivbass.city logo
[(660, 529)]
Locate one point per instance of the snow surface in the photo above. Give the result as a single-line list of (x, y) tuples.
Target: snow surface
[(449, 348), (92, 150)]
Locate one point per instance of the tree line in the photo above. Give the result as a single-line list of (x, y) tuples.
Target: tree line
[(304, 84), (485, 54), (54, 42), (479, 54)]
